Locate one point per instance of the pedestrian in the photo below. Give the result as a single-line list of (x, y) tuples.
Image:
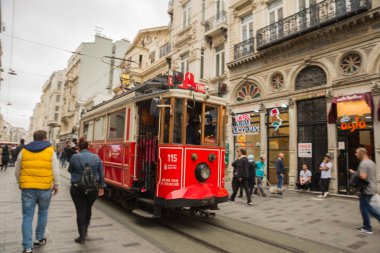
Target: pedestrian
[(251, 173), (241, 175), (83, 200), (325, 168), (13, 157), (304, 182), (19, 148), (260, 173), (70, 150), (5, 158), (235, 181), (368, 188), (37, 172), (280, 171)]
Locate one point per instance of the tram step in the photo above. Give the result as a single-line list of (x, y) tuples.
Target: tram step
[(146, 201), (143, 213)]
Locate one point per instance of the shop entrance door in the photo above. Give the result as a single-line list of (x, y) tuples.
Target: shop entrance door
[(312, 129), (348, 142)]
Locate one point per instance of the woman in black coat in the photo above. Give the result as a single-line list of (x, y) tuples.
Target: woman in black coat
[(5, 158)]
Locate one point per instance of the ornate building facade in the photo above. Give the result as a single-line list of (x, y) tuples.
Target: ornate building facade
[(307, 73)]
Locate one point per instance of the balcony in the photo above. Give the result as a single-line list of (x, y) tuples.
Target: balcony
[(52, 123), (319, 15), (244, 48), (216, 24)]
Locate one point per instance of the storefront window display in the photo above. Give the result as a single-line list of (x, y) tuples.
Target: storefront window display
[(278, 140), (246, 132)]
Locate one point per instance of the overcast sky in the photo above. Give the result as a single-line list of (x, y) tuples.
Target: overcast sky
[(62, 24)]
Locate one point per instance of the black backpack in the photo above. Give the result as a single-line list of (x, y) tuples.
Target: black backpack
[(88, 181)]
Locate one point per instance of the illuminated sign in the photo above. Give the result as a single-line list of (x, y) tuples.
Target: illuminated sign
[(242, 125), (352, 126), (185, 82), (276, 119)]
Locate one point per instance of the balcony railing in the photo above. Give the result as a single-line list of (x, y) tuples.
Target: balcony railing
[(216, 21), (244, 48), (310, 19)]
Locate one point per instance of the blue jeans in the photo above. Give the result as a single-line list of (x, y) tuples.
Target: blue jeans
[(280, 181), (30, 198), (366, 209)]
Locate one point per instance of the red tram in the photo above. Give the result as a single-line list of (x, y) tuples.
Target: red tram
[(161, 148)]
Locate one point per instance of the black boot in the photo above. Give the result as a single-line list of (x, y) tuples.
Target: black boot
[(86, 234), (82, 235)]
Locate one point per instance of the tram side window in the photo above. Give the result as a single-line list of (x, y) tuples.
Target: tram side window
[(166, 121), (99, 129), (88, 130), (193, 127), (211, 125), (116, 125), (178, 111)]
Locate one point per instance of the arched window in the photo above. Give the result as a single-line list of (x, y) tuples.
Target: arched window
[(310, 77), (248, 91)]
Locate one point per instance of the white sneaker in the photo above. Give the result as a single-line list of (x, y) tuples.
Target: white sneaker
[(326, 194), (320, 196)]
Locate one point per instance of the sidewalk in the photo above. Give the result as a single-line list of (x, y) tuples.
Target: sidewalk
[(329, 221), (104, 234)]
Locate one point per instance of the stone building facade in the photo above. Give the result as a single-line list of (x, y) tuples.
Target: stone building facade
[(307, 73)]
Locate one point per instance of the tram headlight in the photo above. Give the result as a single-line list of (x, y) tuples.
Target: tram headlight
[(202, 172)]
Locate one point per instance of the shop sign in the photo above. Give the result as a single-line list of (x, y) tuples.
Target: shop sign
[(276, 119), (186, 82), (242, 125), (305, 150), (346, 123)]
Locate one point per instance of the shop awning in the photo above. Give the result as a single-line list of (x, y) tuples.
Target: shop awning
[(367, 97)]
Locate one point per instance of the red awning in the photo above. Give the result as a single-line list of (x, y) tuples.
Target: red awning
[(367, 97)]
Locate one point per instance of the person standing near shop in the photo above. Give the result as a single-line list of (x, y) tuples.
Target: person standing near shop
[(367, 176), (325, 168), (260, 172), (37, 172), (83, 200), (251, 173), (241, 175), (280, 171)]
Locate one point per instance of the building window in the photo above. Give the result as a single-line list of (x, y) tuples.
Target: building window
[(55, 116), (57, 98), (310, 77), (57, 108), (165, 50), (219, 9), (202, 63), (203, 10), (275, 11), (247, 92), (185, 63), (246, 27), (116, 125), (186, 15), (351, 63), (152, 56), (219, 61), (59, 85), (140, 61), (277, 81)]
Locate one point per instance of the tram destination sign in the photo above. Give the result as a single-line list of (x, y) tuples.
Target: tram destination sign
[(242, 125)]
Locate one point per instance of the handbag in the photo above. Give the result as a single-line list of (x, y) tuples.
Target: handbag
[(375, 202)]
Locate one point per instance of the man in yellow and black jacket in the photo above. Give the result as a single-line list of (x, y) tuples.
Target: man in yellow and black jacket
[(37, 172)]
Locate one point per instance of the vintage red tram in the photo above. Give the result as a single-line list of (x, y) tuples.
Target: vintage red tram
[(162, 148)]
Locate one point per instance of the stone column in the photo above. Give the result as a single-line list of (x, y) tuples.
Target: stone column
[(332, 146), (263, 136), (231, 143), (376, 129), (292, 144)]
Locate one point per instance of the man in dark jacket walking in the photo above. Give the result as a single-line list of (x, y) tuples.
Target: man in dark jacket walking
[(241, 175), (280, 171)]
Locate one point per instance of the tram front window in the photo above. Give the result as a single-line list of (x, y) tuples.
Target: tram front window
[(211, 124)]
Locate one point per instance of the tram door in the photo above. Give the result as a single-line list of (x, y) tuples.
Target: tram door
[(147, 147)]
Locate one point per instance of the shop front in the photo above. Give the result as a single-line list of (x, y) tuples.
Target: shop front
[(277, 140), (246, 132), (353, 116)]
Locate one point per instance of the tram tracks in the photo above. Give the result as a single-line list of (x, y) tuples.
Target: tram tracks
[(219, 238)]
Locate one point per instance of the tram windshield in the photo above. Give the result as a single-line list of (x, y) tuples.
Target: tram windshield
[(185, 121)]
